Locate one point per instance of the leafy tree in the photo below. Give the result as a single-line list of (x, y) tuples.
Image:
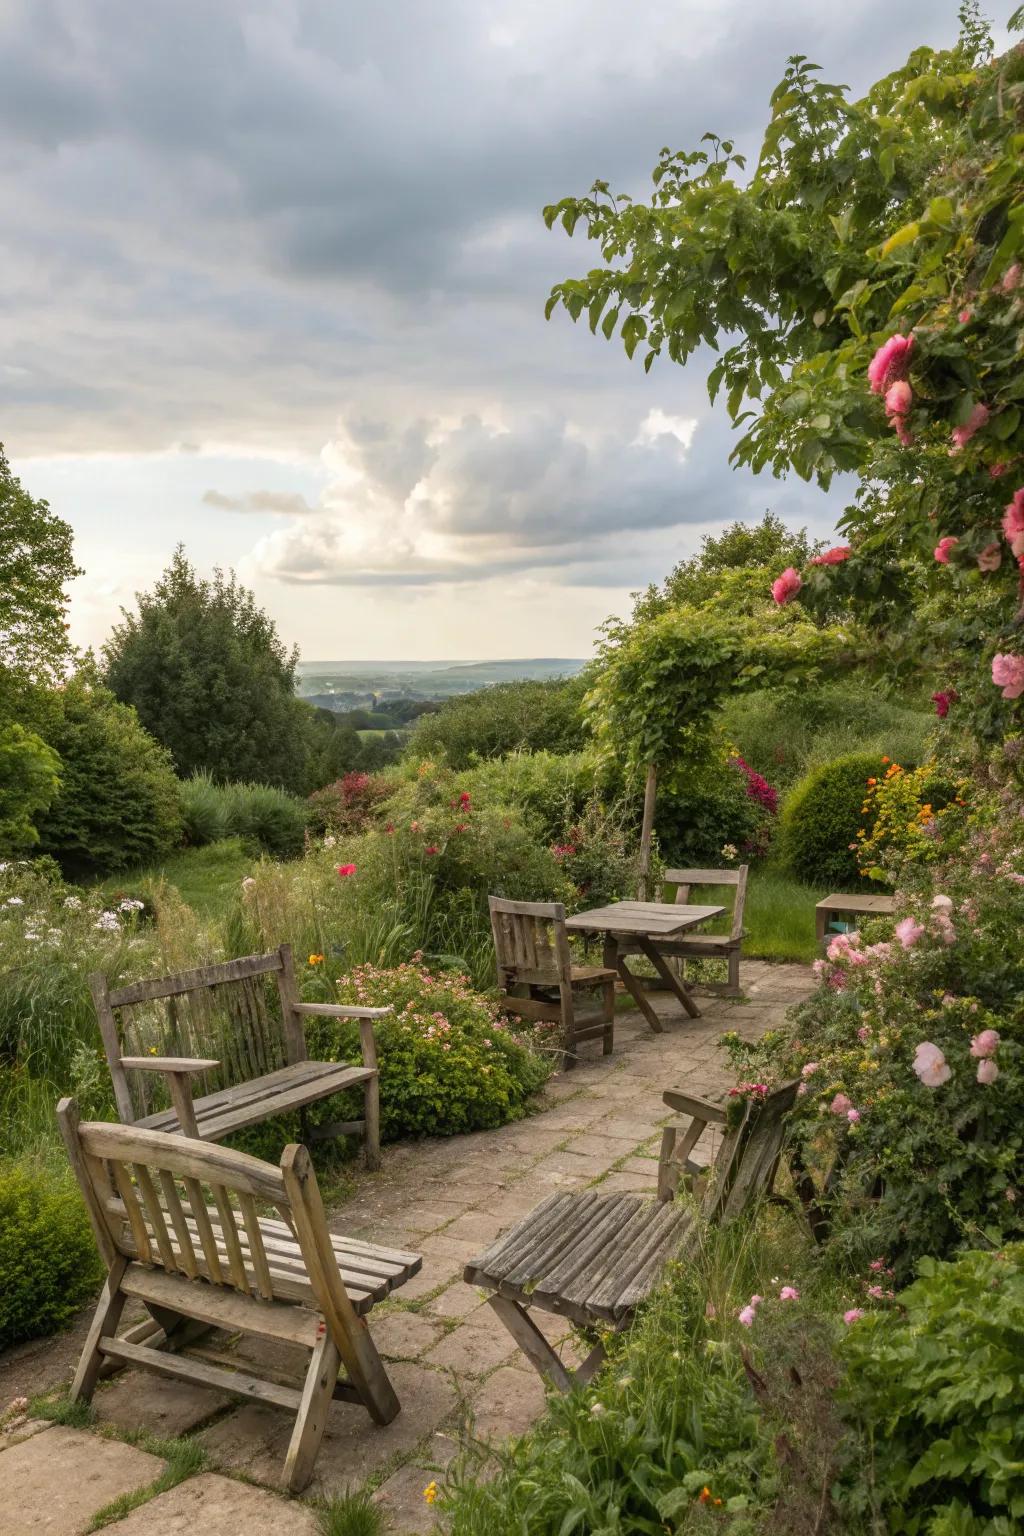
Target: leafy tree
[(768, 546), (29, 777), (866, 284), (532, 714), (118, 803), (210, 678)]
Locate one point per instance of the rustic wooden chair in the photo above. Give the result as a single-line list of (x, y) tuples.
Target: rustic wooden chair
[(594, 1258), (177, 1225), (220, 1025), (697, 945), (531, 946)]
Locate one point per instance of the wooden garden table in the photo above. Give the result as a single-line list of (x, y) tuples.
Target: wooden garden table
[(644, 923)]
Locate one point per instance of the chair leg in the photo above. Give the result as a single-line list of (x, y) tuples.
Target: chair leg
[(371, 1128), (668, 1174), (104, 1323), (608, 1008), (532, 1342), (311, 1420), (568, 1031), (734, 972)]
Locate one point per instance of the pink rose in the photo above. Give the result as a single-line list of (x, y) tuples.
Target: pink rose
[(853, 1115), (1008, 674), (944, 547), (786, 586), (908, 931), (987, 1072), (890, 362), (990, 558), (961, 436), (899, 397), (834, 556), (789, 1293), (930, 1065), (985, 1044)]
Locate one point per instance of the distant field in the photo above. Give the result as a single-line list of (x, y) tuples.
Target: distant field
[(358, 681)]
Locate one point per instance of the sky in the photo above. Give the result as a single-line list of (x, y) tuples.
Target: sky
[(274, 284)]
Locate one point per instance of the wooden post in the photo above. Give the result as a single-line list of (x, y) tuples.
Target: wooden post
[(647, 830)]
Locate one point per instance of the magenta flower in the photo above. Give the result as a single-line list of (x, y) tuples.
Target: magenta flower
[(930, 1065), (834, 556), (987, 1072), (964, 316), (789, 1293), (990, 558), (1008, 674), (890, 362), (908, 931), (942, 700), (344, 869), (786, 586), (985, 1044), (944, 548), (961, 436), (853, 1316)]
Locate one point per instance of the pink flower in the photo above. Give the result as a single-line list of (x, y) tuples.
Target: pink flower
[(786, 586), (876, 1293), (990, 558), (853, 1316), (985, 1044), (877, 1265), (987, 1072), (978, 418), (943, 548), (840, 1105), (899, 397), (1013, 522), (432, 849), (890, 362), (930, 1065), (746, 1316), (808, 1069), (1011, 278), (908, 931), (964, 316), (1008, 674), (789, 1293), (853, 1115), (834, 556), (995, 470), (345, 869)]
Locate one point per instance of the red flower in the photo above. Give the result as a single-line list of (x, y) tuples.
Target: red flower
[(834, 556), (431, 849), (465, 799), (943, 700), (345, 869)]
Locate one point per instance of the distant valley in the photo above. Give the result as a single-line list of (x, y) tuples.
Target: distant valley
[(347, 685)]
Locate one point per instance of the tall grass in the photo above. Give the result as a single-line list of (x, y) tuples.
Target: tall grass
[(270, 818), (779, 917)]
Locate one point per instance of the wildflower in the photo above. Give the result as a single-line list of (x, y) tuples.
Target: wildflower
[(808, 1069), (465, 800), (942, 700), (329, 841), (1008, 674), (876, 1293), (853, 1316), (343, 870), (978, 418), (72, 903), (786, 586), (14, 901), (987, 1072), (430, 1492), (930, 1065), (710, 1310), (316, 959), (107, 922), (1011, 278), (990, 558), (1013, 522), (964, 316), (596, 1410), (890, 362), (789, 1293), (908, 931), (131, 904), (853, 1116), (834, 556), (985, 1044), (432, 849), (943, 548), (877, 1265), (728, 850), (248, 883), (746, 1316)]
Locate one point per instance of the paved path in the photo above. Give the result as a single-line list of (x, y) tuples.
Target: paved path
[(456, 1372)]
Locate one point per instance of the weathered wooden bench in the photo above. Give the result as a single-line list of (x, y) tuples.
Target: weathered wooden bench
[(237, 1027), (177, 1224), (595, 1258), (705, 946)]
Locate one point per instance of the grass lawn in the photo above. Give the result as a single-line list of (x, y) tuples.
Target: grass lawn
[(207, 878), (779, 917)]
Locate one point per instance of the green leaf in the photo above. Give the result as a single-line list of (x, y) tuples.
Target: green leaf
[(905, 236)]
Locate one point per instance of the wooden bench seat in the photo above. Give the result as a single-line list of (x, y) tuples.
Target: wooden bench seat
[(276, 1093)]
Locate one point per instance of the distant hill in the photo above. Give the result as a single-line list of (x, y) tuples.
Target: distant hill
[(351, 684)]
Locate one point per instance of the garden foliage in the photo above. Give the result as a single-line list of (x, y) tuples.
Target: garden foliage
[(532, 715), (265, 817), (823, 817), (49, 1265)]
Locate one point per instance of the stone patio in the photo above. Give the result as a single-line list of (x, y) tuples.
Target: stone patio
[(456, 1371)]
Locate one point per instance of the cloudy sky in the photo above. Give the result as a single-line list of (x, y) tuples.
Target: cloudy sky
[(273, 284)]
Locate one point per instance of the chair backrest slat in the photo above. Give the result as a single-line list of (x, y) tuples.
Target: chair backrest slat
[(201, 1217), (531, 943), (183, 1237), (686, 880), (155, 1216), (748, 1157), (133, 1214), (233, 1248), (257, 1251)]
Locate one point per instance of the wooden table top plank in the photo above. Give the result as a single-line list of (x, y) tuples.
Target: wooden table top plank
[(660, 918), (837, 902)]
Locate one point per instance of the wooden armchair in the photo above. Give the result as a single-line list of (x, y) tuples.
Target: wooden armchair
[(238, 1029), (176, 1222), (532, 951), (595, 1258), (712, 946)]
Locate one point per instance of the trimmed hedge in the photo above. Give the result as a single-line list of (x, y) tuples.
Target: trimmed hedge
[(822, 817), (49, 1264)]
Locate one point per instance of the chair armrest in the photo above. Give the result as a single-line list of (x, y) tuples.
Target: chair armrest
[(700, 1109), (366, 1016), (176, 1071)]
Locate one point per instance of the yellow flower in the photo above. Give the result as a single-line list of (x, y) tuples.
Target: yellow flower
[(430, 1492), (152, 1050), (316, 959)]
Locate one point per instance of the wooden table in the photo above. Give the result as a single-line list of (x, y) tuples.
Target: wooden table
[(866, 906), (644, 923)]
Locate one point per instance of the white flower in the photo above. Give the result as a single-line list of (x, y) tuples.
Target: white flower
[(72, 903), (131, 904), (248, 883), (330, 842), (107, 922), (728, 850), (596, 1410), (32, 937), (14, 901)]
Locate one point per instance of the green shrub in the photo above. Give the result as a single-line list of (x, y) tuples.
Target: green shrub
[(937, 1390), (822, 819), (48, 1260), (269, 818), (349, 804), (510, 717), (712, 812), (448, 1063), (551, 790), (29, 777)]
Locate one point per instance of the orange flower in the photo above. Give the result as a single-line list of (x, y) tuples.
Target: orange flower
[(872, 783), (885, 759), (316, 959), (704, 1494)]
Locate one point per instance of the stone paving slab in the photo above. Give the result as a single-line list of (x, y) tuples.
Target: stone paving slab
[(53, 1484), (209, 1505)]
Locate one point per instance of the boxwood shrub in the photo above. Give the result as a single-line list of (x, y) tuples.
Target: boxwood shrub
[(822, 817), (49, 1264)]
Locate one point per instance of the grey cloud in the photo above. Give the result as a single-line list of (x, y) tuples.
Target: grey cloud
[(285, 504)]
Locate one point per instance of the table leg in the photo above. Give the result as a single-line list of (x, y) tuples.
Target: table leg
[(614, 961), (673, 982), (820, 924)]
